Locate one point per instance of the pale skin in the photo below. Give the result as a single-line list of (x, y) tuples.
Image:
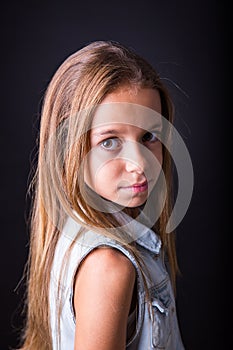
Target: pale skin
[(104, 284), (103, 293)]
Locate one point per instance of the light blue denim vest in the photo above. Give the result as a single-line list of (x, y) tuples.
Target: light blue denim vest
[(156, 327)]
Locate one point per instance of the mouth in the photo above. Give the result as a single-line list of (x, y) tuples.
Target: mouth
[(137, 187)]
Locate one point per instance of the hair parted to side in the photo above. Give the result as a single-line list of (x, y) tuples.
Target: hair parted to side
[(82, 81)]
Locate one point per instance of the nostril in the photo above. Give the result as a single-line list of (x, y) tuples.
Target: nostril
[(132, 166), (134, 155)]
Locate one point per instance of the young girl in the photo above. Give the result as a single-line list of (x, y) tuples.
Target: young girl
[(102, 267)]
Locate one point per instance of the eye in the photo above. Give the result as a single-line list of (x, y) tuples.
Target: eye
[(149, 137), (111, 144)]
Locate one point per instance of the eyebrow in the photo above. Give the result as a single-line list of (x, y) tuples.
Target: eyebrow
[(117, 132), (107, 132)]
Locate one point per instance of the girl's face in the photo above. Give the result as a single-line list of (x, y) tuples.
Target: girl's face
[(125, 159)]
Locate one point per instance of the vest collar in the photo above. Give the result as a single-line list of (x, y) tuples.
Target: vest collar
[(140, 232), (151, 241)]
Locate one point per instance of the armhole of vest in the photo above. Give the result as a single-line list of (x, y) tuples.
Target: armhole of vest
[(140, 287)]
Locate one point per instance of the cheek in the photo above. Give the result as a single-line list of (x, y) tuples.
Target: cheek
[(108, 172), (155, 166), (158, 154), (160, 157), (102, 175)]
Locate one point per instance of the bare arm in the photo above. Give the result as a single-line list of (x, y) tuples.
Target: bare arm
[(102, 298)]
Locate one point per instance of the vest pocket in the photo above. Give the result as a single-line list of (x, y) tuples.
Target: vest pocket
[(160, 325)]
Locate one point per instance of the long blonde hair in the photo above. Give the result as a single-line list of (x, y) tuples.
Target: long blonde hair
[(83, 80)]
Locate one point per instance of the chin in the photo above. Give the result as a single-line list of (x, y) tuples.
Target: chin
[(134, 203)]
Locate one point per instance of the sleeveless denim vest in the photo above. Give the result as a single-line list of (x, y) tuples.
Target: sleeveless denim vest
[(156, 327)]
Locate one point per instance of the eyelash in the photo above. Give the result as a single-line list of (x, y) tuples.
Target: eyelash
[(111, 139), (153, 133), (119, 142)]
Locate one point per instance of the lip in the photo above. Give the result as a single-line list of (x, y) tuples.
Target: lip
[(138, 187)]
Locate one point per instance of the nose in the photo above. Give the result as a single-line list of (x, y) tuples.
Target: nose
[(134, 156)]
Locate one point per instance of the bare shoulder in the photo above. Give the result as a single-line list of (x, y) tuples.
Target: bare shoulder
[(108, 260), (106, 263), (102, 297)]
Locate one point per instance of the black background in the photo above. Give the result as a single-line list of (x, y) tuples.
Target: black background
[(187, 41)]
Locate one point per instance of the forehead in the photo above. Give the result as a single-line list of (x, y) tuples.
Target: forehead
[(125, 113)]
